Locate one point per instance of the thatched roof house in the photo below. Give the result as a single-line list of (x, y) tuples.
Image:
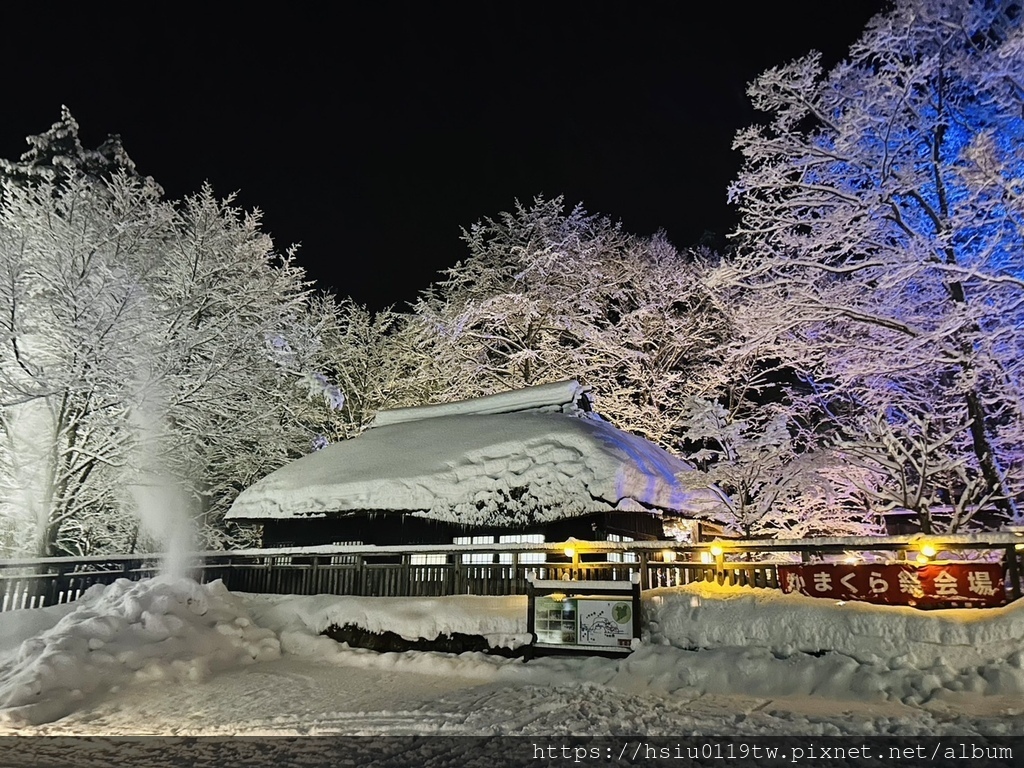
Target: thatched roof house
[(535, 461)]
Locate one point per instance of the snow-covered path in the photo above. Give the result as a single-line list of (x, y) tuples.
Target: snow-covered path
[(359, 693), (287, 696)]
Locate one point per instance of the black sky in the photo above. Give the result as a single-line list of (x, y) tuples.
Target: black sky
[(372, 135)]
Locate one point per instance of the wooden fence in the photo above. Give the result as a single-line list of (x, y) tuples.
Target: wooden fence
[(493, 569)]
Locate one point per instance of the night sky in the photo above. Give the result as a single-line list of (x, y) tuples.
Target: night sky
[(371, 136)]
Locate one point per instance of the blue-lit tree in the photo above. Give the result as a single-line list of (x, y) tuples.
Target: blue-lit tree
[(880, 243)]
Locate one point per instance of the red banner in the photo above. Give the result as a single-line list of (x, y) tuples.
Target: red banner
[(936, 585)]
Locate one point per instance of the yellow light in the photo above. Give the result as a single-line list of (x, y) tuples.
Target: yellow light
[(1019, 547), (570, 551), (928, 550), (716, 550), (922, 558), (668, 556)]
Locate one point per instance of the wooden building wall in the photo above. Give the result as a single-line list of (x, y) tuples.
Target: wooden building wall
[(390, 528)]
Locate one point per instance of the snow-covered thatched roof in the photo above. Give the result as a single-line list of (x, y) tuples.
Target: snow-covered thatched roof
[(533, 455)]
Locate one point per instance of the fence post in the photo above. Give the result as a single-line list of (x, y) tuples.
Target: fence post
[(405, 587), (54, 588), (360, 585), (513, 588), (314, 576), (458, 579), (1013, 567)]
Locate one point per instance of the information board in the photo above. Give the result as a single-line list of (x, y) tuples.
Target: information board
[(583, 621), (604, 622), (596, 616)]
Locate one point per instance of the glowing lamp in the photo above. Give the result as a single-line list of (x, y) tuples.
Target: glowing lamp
[(716, 550), (570, 551), (922, 558), (928, 550)]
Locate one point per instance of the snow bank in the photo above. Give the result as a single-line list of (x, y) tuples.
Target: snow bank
[(698, 639), (151, 630), (767, 643), (710, 616), (499, 620)]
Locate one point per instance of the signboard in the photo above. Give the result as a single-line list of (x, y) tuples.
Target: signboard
[(555, 621), (583, 616), (935, 585), (584, 621), (604, 622)]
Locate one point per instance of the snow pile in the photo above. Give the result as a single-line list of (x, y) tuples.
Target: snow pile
[(710, 616), (148, 631), (499, 620), (766, 643), (699, 640)]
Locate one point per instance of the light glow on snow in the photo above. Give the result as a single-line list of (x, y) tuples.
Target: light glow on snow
[(201, 660)]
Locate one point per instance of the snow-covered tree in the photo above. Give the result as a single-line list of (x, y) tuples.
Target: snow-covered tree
[(918, 465), (71, 310), (546, 295), (373, 359), (234, 366), (879, 249), (58, 154), (769, 484), (153, 355)]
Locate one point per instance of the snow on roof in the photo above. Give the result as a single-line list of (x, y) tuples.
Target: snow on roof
[(480, 467), (559, 396)]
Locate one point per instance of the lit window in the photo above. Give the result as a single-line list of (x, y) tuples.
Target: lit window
[(476, 558), (345, 559), (621, 557), (522, 538), (431, 559)]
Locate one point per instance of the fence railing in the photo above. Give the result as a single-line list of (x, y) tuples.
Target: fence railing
[(492, 569)]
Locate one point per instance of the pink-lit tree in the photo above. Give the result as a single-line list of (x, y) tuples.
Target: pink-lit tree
[(879, 249)]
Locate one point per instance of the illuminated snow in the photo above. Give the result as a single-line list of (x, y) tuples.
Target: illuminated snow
[(162, 656), (509, 459)]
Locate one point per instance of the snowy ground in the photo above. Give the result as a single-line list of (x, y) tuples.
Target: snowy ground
[(178, 658)]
